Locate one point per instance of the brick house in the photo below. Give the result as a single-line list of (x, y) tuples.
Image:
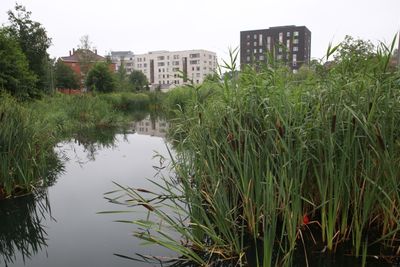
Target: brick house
[(80, 61)]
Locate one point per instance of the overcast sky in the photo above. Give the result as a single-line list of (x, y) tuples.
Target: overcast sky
[(148, 25)]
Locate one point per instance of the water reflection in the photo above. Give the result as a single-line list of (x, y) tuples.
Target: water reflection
[(22, 233), (96, 139), (153, 126)]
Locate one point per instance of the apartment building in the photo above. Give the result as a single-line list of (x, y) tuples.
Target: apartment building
[(166, 69), (125, 58), (288, 44)]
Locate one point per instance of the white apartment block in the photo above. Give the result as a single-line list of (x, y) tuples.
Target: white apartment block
[(123, 57), (166, 70)]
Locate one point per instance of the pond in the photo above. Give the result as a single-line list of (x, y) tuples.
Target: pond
[(60, 225)]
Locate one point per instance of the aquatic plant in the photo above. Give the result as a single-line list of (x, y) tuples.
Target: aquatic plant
[(273, 165), (26, 149)]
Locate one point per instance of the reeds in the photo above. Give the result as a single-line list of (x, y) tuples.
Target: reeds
[(271, 165), (26, 149)]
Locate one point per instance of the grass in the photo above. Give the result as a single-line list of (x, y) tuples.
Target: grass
[(275, 163), (30, 130), (26, 149)]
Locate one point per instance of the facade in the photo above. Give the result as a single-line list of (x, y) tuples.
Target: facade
[(398, 50), (151, 127), (125, 58), (288, 44), (80, 61), (165, 69)]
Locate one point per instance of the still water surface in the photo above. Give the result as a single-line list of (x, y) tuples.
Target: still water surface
[(60, 225)]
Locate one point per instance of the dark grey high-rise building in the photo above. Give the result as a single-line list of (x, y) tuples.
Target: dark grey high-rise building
[(288, 44)]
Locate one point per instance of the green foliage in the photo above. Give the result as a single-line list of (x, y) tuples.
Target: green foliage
[(100, 78), (138, 81), (127, 101), (34, 42), (26, 149), (65, 77), (268, 149), (15, 75), (69, 114)]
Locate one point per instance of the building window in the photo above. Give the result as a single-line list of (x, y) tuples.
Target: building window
[(160, 64), (260, 39), (295, 49), (248, 58), (198, 68), (280, 50), (160, 58), (295, 41), (294, 58), (255, 36), (279, 57), (194, 62), (288, 45), (248, 43), (194, 55), (295, 34), (175, 69), (261, 57), (269, 43), (260, 50), (176, 56), (281, 37), (288, 34), (255, 51), (255, 44), (248, 36)]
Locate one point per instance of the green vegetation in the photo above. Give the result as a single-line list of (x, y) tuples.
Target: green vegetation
[(15, 76), (65, 77), (100, 78), (138, 81), (27, 158), (276, 164), (34, 42)]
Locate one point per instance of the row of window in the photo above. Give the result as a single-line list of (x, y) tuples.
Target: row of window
[(260, 36), (261, 51), (159, 58), (278, 57)]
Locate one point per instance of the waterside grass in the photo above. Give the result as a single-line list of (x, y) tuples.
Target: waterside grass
[(276, 164), (27, 158)]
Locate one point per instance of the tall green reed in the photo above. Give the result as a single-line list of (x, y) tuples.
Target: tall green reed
[(268, 160)]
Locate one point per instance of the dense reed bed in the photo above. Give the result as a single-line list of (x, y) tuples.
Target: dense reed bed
[(27, 159), (271, 164)]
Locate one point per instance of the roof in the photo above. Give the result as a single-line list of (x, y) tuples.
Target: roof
[(78, 54)]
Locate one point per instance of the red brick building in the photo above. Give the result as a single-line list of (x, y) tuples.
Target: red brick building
[(80, 61)]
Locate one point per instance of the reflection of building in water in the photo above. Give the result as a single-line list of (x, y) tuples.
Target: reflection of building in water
[(153, 127)]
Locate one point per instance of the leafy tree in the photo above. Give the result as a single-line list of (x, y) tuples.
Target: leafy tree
[(138, 80), (353, 56), (34, 42), (100, 78), (122, 78), (15, 75), (65, 76)]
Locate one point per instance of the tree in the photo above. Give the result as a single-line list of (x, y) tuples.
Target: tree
[(100, 78), (65, 76), (15, 75), (138, 80), (85, 55), (121, 77), (34, 42)]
